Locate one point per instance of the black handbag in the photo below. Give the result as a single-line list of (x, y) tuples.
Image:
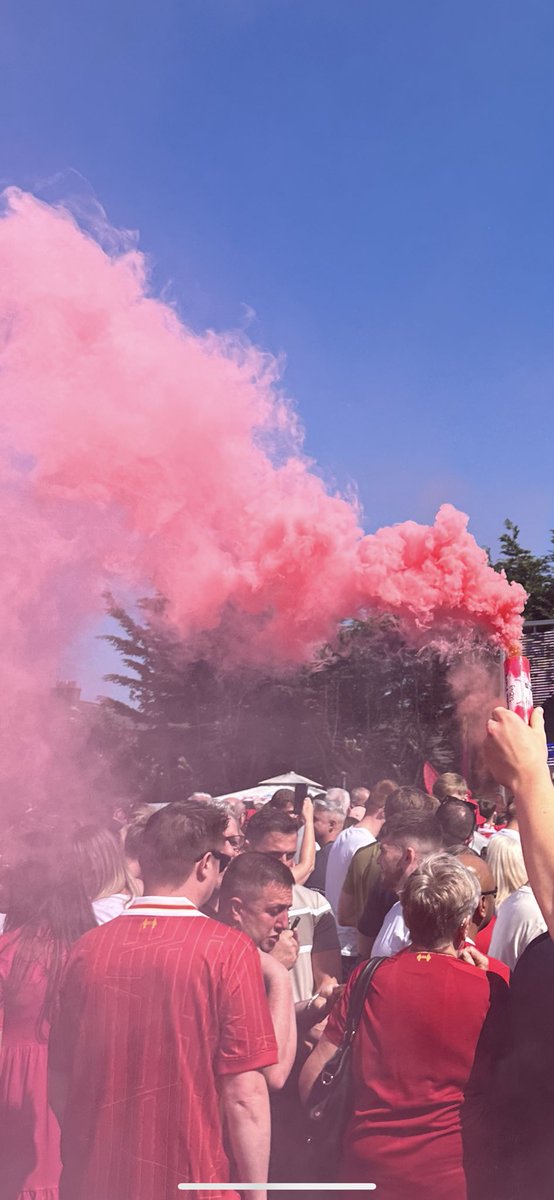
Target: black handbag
[(330, 1099)]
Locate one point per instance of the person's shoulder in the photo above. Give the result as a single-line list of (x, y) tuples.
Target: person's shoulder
[(306, 900)]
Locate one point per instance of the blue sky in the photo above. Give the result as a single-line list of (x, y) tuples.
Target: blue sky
[(374, 180)]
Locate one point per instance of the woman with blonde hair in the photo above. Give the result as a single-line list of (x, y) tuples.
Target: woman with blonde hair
[(106, 877), (505, 859)]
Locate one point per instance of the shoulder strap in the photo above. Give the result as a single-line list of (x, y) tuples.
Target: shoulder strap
[(357, 999)]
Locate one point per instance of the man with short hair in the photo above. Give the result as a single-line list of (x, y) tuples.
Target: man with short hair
[(316, 970), (255, 896), (456, 820), (340, 857), (328, 823), (483, 916), (450, 784), (404, 842), (163, 1033)]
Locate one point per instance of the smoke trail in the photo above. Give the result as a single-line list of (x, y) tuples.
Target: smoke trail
[(134, 450)]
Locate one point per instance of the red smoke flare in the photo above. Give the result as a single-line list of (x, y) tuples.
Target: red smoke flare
[(133, 449)]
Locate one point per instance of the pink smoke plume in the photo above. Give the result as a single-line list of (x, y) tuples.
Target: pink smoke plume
[(137, 453)]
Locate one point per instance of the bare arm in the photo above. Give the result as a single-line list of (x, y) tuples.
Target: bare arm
[(313, 1065), (246, 1110), (305, 865), (326, 967), (281, 1006), (57, 1093), (517, 756), (346, 912)]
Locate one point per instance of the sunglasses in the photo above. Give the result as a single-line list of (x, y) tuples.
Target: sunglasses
[(236, 840), (221, 858), (492, 892)]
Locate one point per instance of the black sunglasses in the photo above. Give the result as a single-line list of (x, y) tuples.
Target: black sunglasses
[(223, 859), (492, 892)]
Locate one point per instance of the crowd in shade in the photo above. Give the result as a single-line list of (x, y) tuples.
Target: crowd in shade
[(174, 991)]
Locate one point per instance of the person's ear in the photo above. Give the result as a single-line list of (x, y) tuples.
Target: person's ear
[(236, 906), (409, 856), (202, 867)]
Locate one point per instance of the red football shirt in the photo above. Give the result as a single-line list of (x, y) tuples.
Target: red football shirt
[(156, 1005), (414, 1063)]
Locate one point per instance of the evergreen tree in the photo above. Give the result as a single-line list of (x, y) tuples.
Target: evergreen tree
[(534, 571)]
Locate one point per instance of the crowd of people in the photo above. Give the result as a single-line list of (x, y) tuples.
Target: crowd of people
[(171, 992)]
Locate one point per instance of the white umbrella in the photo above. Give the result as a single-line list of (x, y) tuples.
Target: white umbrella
[(289, 780)]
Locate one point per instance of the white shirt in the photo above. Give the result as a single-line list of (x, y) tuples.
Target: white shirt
[(342, 852), (393, 934), (109, 907), (519, 921)]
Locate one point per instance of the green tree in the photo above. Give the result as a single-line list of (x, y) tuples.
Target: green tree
[(534, 571)]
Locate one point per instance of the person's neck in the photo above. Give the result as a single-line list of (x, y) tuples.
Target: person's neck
[(187, 890), (449, 949), (371, 823)]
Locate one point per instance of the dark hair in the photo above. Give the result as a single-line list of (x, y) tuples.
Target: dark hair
[(487, 808), (456, 820), (412, 826), (249, 873), (176, 837), (269, 820), (50, 907), (409, 799), (282, 798)]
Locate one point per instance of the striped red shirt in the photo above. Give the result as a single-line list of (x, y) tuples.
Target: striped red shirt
[(156, 1005)]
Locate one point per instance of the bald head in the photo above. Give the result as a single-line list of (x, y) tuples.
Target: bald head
[(485, 909)]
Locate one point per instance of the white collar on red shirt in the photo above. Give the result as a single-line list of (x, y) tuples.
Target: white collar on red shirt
[(161, 906)]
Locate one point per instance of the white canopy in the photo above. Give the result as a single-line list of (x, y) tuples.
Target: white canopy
[(289, 779)]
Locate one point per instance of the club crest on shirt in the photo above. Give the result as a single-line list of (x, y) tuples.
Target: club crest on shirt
[(149, 922), (423, 957)]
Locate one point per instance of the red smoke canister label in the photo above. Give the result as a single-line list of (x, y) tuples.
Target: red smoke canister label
[(519, 696)]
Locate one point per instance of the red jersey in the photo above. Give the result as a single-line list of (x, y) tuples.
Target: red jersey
[(156, 1005), (414, 1065)]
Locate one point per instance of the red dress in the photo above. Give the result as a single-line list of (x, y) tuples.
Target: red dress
[(30, 1162), (414, 1065)]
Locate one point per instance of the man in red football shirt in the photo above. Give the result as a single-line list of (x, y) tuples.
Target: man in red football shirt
[(162, 1035)]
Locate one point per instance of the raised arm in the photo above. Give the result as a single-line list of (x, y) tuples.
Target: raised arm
[(305, 865), (246, 1108), (517, 757)]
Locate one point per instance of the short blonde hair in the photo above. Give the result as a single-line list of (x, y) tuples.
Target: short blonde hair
[(505, 859), (437, 898)]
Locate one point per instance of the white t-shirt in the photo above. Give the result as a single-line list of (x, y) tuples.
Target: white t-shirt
[(109, 907), (519, 921), (342, 851), (393, 934)]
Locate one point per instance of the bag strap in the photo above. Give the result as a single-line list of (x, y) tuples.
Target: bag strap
[(357, 1000)]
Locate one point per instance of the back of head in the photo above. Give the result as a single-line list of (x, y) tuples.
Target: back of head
[(413, 828), (340, 796), (450, 784), (269, 820), (177, 837), (247, 876), (379, 795), (456, 820), (409, 799), (101, 862), (199, 798), (438, 900), (487, 808), (282, 799), (505, 859)]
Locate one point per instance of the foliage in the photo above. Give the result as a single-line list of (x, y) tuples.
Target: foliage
[(369, 707), (534, 572)]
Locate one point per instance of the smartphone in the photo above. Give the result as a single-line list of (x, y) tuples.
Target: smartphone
[(300, 793)]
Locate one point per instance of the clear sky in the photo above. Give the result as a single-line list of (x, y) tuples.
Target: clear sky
[(367, 187)]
